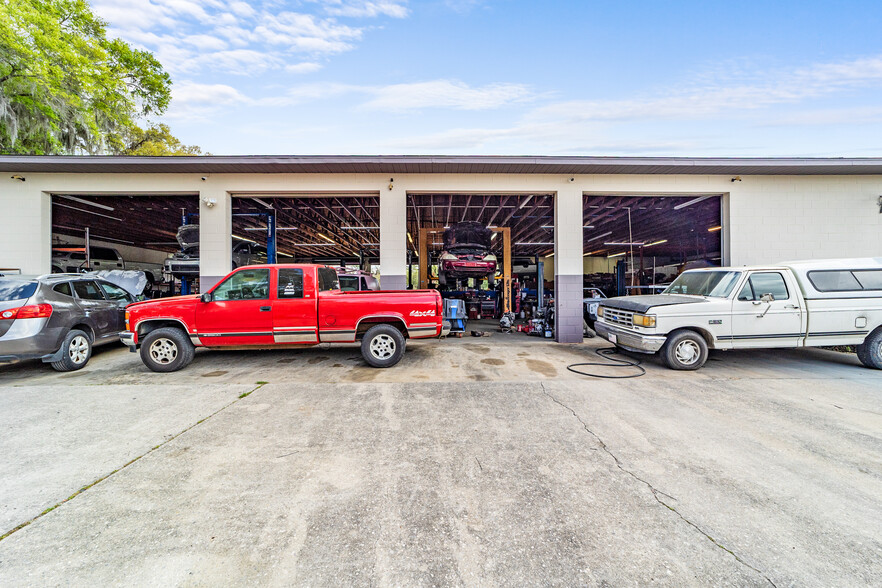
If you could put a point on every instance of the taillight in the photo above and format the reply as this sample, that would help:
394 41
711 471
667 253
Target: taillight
24 312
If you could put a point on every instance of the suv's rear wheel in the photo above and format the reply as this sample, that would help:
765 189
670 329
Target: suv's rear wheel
382 346
870 351
167 350
684 350
77 349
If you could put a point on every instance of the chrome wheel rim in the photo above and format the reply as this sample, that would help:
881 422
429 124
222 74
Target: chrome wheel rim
78 350
163 351
382 347
687 352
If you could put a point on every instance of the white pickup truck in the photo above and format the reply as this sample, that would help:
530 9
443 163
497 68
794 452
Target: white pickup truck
793 304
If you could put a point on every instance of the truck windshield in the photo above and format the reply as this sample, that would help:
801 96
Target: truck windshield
714 284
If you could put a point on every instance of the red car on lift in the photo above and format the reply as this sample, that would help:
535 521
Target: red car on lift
263 306
467 254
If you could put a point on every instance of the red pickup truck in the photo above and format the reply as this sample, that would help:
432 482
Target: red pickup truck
280 306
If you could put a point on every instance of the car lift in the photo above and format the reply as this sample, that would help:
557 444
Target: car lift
423 245
270 215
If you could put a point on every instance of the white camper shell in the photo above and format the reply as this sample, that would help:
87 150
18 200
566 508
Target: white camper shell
792 304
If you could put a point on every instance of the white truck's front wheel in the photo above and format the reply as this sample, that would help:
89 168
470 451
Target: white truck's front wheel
870 351
684 350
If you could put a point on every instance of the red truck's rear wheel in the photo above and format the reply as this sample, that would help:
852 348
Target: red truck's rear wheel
167 350
382 346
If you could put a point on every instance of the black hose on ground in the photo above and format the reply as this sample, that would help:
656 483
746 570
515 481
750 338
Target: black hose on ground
606 353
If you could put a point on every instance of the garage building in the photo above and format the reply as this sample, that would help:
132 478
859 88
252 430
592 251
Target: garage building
576 216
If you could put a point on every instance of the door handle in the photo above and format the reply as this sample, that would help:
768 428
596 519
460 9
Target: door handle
792 307
265 308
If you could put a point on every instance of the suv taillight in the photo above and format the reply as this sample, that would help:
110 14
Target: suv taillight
23 312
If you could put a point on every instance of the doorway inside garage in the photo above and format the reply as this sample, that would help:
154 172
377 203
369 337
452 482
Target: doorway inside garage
341 230
637 244
489 255
116 232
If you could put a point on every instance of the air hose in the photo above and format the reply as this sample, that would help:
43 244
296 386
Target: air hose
610 362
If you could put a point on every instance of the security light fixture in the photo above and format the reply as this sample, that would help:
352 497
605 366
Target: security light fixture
616 254
714 229
625 244
656 243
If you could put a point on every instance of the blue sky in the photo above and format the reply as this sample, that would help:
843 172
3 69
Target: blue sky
516 77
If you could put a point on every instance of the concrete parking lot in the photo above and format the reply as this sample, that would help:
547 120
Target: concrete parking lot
479 461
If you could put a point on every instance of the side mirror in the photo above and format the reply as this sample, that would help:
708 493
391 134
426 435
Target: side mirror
767 298
206 297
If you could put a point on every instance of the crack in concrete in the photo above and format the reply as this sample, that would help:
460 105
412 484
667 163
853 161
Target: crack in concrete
128 463
656 493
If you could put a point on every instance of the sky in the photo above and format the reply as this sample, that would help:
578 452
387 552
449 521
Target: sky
516 77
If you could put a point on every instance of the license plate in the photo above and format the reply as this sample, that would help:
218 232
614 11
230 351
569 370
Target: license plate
613 339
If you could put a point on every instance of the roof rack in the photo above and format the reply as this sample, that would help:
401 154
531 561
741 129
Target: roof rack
59 275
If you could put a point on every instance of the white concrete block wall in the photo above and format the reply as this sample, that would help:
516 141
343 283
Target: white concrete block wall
393 237
25 226
568 264
775 219
215 229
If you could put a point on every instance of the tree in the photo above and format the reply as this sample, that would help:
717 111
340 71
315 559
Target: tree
65 87
157 140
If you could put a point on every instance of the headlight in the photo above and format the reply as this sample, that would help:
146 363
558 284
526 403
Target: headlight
489 258
643 320
448 257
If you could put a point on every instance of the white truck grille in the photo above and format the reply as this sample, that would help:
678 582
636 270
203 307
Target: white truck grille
618 317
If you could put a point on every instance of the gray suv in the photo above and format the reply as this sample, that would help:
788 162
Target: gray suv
58 318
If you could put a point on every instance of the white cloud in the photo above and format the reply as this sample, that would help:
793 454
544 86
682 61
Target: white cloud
446 94
194 102
199 94
365 8
587 125
188 35
463 6
302 68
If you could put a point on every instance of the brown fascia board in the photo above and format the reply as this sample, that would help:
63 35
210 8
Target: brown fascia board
439 164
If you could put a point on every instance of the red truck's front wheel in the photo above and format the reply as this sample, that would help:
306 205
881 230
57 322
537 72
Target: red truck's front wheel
382 346
166 350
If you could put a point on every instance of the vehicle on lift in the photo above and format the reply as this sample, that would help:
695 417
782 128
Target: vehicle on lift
185 263
72 259
794 304
467 254
281 305
58 318
356 280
